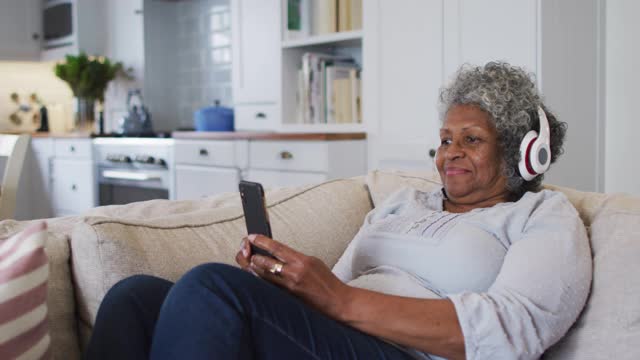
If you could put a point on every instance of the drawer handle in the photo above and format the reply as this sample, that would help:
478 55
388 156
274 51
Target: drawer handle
74 187
204 152
261 115
72 148
286 155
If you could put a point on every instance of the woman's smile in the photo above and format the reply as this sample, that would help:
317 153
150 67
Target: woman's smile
453 171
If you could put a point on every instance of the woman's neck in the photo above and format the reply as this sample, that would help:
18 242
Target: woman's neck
451 205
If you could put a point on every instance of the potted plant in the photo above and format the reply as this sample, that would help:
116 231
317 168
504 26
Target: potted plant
88 77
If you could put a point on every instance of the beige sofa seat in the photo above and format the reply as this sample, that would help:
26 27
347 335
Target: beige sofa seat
317 220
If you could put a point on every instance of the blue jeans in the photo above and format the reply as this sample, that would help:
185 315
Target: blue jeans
217 311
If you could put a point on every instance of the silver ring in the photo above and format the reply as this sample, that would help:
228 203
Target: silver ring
276 269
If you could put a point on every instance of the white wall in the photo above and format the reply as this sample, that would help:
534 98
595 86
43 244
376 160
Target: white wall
622 169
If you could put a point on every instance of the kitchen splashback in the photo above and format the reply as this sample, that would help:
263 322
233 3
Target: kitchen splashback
24 79
187 59
204 56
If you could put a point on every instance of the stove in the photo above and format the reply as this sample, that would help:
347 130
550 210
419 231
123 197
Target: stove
133 169
160 134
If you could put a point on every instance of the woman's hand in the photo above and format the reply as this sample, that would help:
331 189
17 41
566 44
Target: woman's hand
305 276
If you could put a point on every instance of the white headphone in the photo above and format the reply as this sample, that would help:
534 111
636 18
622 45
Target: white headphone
535 150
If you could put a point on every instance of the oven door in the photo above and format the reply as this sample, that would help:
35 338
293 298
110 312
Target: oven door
123 186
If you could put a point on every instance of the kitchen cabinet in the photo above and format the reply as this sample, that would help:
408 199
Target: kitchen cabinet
73 181
58 178
403 72
194 182
277 163
20 30
256 51
89 31
256 63
207 167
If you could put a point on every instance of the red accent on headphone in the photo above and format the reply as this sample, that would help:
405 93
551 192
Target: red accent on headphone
527 162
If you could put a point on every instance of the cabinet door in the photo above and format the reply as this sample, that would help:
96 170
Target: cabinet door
256 50
477 32
73 186
20 29
193 182
403 73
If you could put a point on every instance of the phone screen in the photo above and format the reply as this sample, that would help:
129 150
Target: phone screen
255 212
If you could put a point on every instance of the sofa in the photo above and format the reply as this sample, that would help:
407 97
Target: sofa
91 252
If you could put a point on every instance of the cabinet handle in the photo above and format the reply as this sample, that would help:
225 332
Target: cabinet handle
261 115
74 187
35 36
432 153
204 152
72 148
286 155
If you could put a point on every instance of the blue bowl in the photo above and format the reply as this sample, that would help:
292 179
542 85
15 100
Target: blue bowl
213 118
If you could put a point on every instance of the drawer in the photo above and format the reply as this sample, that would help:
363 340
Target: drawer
256 116
73 148
289 155
211 153
271 179
72 185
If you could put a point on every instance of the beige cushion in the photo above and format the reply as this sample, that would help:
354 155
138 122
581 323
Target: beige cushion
609 327
317 220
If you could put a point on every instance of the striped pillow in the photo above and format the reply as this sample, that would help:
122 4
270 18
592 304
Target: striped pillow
24 270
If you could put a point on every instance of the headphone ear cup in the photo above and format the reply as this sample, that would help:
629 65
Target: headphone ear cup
524 166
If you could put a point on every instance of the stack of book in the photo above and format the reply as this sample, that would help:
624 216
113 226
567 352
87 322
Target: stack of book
329 90
316 17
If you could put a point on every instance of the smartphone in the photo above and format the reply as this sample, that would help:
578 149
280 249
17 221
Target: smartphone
255 212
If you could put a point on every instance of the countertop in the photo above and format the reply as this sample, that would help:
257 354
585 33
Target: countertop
250 135
216 135
69 135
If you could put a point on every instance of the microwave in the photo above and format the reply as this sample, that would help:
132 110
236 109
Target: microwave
58 25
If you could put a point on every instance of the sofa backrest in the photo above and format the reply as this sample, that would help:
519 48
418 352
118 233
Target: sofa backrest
318 220
609 326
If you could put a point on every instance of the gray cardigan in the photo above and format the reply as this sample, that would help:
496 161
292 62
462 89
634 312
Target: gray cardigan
518 273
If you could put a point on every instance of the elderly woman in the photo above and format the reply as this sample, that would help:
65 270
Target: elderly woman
488 267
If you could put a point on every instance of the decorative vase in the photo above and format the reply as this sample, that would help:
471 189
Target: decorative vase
84 116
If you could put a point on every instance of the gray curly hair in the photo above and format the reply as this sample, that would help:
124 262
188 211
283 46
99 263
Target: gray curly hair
509 95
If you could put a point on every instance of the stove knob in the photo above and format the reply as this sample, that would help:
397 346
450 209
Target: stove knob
145 159
126 159
161 162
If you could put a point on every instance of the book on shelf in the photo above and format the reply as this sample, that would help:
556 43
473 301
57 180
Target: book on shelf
346 98
324 16
298 19
332 73
317 95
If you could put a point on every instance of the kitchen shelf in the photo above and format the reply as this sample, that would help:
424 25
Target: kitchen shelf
344 38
